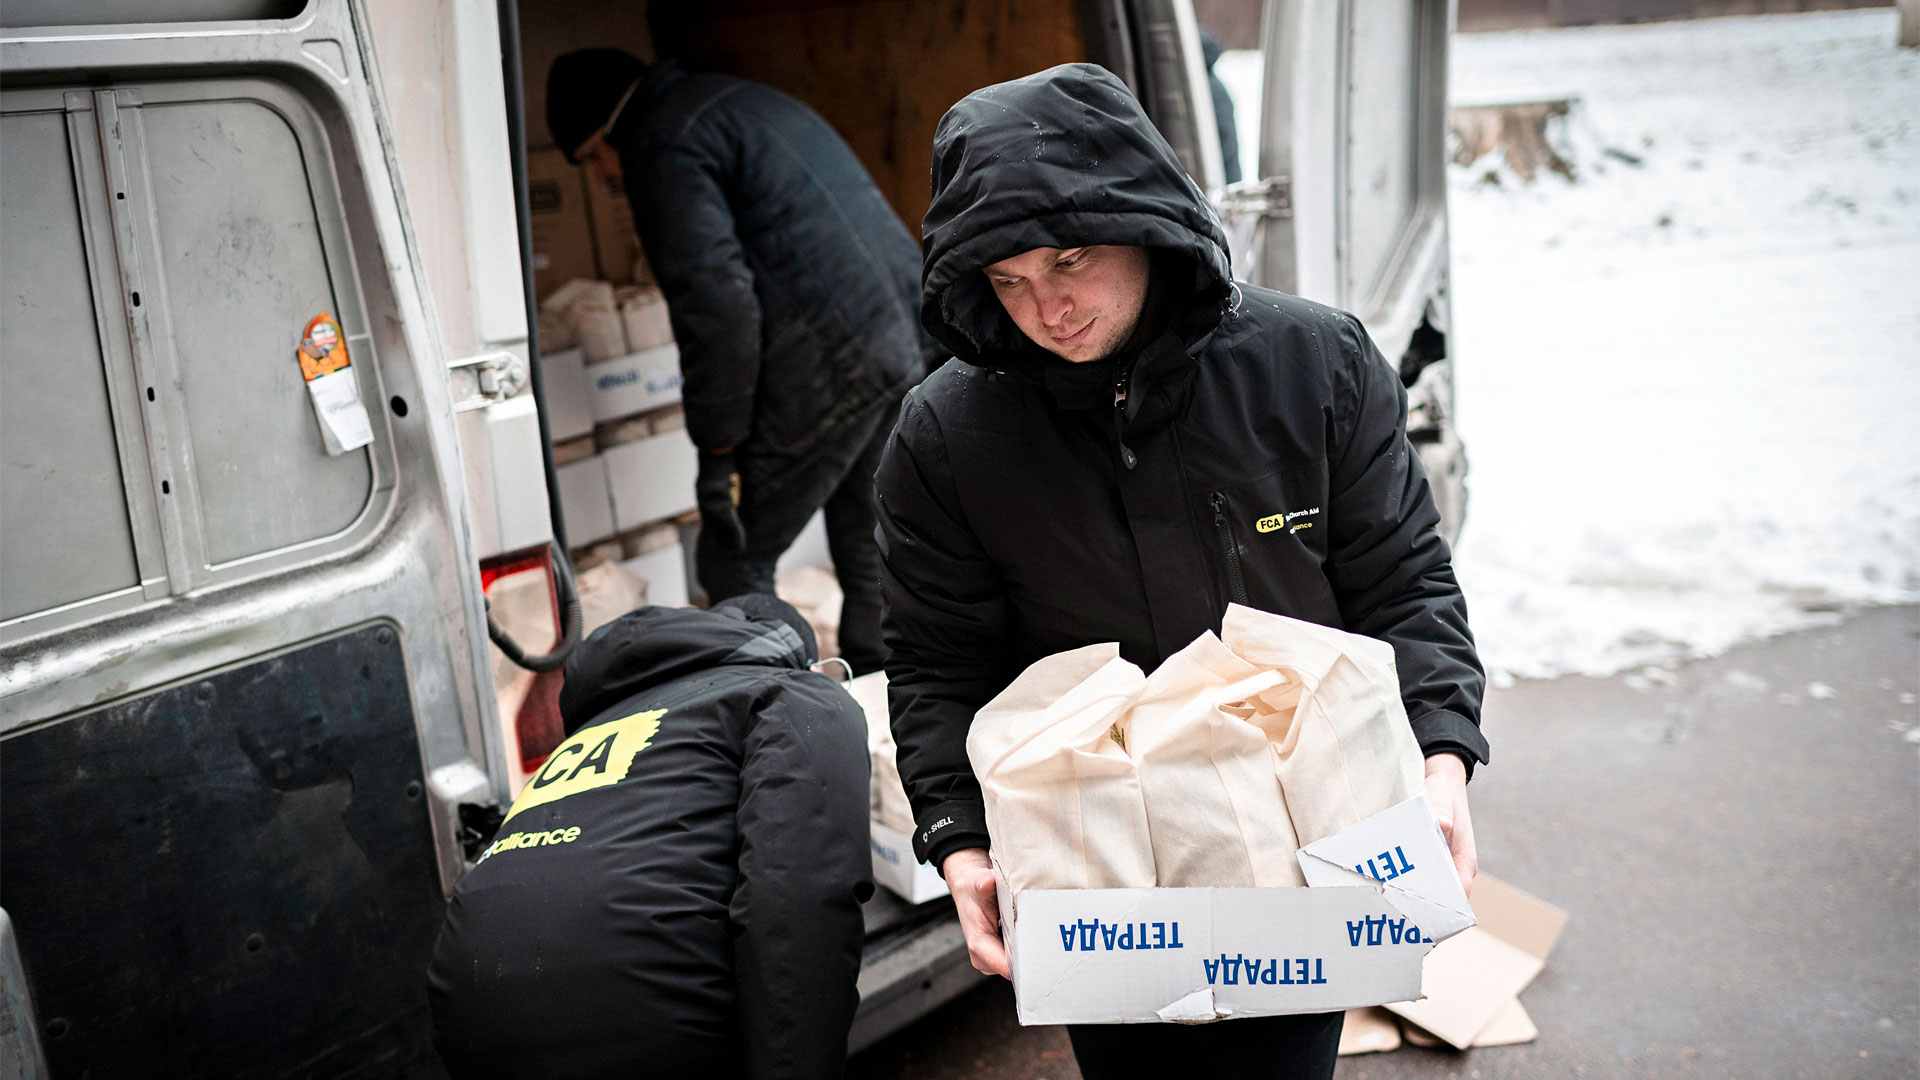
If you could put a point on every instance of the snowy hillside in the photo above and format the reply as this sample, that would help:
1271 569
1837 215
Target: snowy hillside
1690 389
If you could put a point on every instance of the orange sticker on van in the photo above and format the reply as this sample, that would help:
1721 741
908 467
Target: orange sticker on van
323 347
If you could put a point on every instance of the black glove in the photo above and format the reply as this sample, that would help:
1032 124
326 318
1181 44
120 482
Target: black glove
717 492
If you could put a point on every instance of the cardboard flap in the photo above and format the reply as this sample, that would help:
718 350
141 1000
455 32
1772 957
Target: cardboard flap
1401 849
1509 1026
1467 982
1517 916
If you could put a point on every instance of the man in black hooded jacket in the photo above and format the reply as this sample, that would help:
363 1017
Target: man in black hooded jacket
791 286
677 890
1126 442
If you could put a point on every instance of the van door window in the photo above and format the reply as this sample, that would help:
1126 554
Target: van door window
242 257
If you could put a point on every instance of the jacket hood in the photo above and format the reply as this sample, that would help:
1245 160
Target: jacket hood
1063 158
650 646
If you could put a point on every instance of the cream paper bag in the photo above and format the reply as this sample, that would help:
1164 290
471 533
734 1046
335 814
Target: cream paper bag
1063 802
1342 747
886 795
1214 806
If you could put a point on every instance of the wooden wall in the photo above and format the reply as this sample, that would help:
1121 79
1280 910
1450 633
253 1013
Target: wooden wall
883 72
1516 14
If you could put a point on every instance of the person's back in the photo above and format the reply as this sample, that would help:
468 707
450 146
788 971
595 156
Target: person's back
792 287
677 889
834 273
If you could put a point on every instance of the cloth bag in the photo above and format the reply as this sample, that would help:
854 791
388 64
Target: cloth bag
1215 811
1063 801
1341 744
886 794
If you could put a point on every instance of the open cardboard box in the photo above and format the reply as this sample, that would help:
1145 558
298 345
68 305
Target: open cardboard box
1196 955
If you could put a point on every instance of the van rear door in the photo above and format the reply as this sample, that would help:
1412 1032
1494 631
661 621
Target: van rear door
238 672
1350 198
1349 203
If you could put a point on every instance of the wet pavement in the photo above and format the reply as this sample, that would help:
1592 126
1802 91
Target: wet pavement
1737 841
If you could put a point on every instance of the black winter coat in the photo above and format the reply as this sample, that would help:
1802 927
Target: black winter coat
790 282
677 890
1255 451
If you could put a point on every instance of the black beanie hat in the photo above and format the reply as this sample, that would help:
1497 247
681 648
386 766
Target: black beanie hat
771 610
582 89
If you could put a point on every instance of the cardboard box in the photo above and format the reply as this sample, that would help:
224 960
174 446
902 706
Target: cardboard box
506 483
585 501
665 572
616 244
557 209
651 479
634 383
903 875
1093 956
1472 982
563 375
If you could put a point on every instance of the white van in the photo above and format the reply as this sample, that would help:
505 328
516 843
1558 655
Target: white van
248 731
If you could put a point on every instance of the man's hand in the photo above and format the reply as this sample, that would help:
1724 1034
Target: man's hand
716 491
1447 790
969 875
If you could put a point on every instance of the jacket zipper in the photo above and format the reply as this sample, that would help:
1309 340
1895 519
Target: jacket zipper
1127 456
1235 581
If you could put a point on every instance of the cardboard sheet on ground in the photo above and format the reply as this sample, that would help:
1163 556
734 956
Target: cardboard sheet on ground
1198 955
1372 1030
1472 982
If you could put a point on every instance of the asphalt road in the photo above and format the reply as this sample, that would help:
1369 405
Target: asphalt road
1737 841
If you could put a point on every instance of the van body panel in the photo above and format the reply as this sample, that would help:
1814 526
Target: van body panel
284 800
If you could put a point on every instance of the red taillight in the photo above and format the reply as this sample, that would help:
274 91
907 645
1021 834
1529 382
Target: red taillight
536 722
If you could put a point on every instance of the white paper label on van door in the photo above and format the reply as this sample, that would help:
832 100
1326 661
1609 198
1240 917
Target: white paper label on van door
336 393
343 419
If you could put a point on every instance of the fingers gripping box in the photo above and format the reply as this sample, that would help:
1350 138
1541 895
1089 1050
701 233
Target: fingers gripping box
1356 936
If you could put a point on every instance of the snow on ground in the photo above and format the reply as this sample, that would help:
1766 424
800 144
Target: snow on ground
1690 390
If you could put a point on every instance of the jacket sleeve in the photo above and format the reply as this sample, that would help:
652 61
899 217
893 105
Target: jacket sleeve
1389 567
945 617
680 209
804 872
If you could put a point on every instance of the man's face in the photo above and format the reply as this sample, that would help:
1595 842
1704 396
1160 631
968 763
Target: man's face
600 159
1078 303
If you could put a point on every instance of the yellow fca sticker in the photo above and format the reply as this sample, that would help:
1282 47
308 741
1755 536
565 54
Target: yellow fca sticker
1276 522
596 757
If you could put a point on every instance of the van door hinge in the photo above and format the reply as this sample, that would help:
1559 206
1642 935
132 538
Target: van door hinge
1268 197
481 380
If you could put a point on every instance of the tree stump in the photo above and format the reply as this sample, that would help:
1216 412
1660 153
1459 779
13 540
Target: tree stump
1517 129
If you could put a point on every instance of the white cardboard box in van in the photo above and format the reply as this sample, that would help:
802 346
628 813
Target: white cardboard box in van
569 412
1094 956
634 383
651 478
665 572
903 875
585 501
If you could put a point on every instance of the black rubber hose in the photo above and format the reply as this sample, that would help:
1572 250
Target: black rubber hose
517 154
570 624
